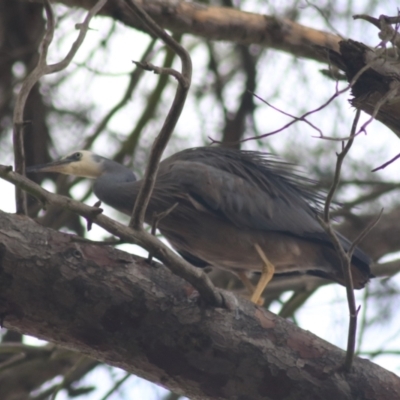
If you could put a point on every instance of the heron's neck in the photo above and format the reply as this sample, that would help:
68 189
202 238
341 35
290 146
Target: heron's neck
117 187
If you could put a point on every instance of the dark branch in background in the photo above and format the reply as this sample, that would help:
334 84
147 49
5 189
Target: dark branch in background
153 101
174 113
19 123
116 386
41 69
33 365
68 377
308 113
197 278
83 29
235 125
133 82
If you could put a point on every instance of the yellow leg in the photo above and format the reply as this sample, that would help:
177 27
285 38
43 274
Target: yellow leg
266 275
249 286
246 281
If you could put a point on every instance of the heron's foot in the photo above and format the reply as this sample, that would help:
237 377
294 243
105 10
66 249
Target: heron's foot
266 275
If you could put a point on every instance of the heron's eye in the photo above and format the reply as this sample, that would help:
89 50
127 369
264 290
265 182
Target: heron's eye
78 156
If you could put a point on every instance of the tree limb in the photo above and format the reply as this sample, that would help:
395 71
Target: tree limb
223 24
120 310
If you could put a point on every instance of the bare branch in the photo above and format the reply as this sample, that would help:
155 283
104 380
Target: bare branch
364 233
134 80
339 163
389 95
384 165
324 105
161 71
174 113
40 70
26 87
344 257
83 29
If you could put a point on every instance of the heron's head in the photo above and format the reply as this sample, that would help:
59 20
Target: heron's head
79 163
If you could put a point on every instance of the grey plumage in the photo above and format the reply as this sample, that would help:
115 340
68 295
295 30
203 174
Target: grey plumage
228 201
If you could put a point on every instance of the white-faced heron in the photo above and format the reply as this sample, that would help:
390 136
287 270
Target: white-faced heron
242 211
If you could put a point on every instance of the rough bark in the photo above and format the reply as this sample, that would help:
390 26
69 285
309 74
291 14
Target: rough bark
222 23
120 310
376 91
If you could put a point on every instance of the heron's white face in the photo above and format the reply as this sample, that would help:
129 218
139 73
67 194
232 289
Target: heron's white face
81 163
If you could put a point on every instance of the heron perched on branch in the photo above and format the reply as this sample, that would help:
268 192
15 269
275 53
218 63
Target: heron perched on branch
242 211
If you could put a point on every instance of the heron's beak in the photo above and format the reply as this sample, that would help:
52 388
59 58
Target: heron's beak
55 166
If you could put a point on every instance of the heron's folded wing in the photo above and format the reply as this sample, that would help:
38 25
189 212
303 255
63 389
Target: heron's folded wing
244 203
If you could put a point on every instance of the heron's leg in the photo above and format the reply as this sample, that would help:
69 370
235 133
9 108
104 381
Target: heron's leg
266 275
246 281
249 286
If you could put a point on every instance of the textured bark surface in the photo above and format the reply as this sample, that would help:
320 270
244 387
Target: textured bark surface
380 79
118 309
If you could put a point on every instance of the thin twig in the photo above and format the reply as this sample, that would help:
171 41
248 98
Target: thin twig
174 113
339 163
26 87
365 232
392 160
83 29
161 71
345 257
195 276
156 219
153 101
289 115
363 322
133 82
40 70
324 105
390 94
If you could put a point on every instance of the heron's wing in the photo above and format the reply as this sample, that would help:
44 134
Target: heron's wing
247 204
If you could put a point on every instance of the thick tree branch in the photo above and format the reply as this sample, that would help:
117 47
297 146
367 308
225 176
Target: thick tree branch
118 309
223 23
